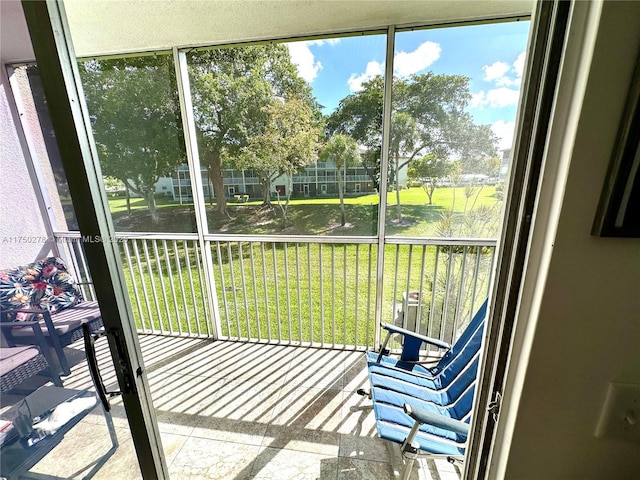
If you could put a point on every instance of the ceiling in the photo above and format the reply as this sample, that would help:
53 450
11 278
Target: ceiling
102 27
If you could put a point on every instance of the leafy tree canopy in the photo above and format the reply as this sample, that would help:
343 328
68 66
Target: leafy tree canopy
234 92
288 141
135 115
428 118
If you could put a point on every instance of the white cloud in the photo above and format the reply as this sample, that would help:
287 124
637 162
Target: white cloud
504 131
502 97
408 63
477 99
502 75
518 65
355 81
404 64
495 98
303 58
495 71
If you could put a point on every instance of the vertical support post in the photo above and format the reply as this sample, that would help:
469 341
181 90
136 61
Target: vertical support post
197 190
384 168
53 48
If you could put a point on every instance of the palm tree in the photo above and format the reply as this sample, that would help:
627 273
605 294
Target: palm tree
343 151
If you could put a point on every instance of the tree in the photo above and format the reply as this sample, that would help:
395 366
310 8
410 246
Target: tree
403 138
343 151
359 116
439 124
428 170
233 90
135 115
288 141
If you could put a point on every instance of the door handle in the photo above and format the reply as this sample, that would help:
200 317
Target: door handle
94 369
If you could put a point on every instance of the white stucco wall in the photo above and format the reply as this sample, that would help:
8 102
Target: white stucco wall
22 230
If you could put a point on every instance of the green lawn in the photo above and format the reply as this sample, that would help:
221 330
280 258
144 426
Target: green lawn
310 216
321 294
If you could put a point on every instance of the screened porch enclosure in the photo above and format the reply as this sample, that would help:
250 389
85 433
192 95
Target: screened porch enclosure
258 273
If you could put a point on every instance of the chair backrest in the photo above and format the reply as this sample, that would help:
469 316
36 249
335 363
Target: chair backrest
45 284
460 363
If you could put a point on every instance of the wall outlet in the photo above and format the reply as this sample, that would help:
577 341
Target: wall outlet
620 414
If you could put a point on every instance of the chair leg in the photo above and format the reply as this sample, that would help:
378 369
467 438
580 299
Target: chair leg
409 451
409 455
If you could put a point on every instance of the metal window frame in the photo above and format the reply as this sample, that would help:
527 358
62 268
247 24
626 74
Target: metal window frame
54 53
538 95
197 187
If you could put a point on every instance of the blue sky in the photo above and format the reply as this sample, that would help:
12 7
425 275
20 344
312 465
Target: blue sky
491 55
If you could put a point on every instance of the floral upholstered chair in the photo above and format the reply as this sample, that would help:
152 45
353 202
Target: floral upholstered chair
44 291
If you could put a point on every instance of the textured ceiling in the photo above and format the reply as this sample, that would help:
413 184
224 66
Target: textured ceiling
102 27
109 26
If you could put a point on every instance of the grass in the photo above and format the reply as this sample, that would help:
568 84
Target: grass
320 294
310 216
309 293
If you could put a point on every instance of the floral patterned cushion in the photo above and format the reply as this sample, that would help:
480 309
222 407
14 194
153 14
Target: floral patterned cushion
44 284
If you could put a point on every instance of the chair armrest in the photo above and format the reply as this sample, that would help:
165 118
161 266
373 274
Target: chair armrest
25 310
35 326
46 316
403 331
428 418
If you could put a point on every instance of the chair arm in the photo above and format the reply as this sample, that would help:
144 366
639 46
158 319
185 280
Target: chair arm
428 418
35 326
46 316
403 331
26 310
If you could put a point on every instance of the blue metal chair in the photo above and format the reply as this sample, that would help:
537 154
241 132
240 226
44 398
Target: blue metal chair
426 409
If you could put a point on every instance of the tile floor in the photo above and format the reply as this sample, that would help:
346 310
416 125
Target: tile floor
231 410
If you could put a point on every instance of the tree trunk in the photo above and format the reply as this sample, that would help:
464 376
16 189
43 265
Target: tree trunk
265 183
214 169
151 204
430 193
397 182
341 195
210 188
128 197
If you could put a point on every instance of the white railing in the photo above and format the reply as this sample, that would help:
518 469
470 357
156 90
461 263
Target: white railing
305 290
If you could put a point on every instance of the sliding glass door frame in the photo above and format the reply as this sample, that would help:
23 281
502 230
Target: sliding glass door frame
56 60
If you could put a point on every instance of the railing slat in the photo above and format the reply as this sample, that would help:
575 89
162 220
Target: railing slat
144 286
457 283
321 295
277 292
187 259
162 284
255 289
223 289
176 254
299 294
434 287
133 281
203 291
286 288
244 289
167 262
233 288
266 292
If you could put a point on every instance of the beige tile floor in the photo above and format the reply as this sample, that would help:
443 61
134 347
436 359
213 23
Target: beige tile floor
231 410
